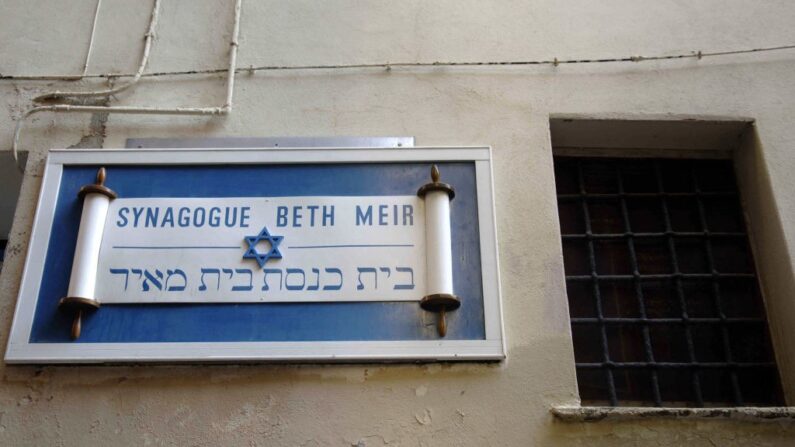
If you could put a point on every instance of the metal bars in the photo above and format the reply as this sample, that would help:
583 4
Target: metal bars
611 386
665 306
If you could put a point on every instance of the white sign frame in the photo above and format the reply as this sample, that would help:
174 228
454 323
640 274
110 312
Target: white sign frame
20 350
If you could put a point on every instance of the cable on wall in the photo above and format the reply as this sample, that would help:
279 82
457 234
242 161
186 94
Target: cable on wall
148 37
696 54
231 70
91 38
139 110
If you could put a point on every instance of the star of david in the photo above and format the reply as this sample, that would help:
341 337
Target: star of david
262 258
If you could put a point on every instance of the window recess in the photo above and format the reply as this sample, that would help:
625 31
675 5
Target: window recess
3 244
10 184
664 300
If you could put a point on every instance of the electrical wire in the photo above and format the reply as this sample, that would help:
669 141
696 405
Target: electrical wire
232 69
148 37
698 54
226 108
91 39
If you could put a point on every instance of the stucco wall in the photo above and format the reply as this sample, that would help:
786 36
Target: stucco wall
505 107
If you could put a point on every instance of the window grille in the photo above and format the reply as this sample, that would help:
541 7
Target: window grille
664 301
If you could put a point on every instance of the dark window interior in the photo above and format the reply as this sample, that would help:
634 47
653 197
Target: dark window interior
664 301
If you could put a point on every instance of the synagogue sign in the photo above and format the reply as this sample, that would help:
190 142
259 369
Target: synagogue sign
272 255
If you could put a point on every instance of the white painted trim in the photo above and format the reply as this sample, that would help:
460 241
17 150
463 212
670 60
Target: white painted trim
254 351
488 251
490 259
37 250
21 351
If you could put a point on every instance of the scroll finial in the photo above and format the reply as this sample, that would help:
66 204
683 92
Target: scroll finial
98 187
101 176
436 184
77 325
441 325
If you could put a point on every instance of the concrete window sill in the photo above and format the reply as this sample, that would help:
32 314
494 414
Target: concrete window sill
748 414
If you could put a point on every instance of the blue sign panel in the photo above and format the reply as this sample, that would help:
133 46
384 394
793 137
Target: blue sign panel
355 324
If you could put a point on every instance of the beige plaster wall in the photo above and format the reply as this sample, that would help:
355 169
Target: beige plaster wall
507 108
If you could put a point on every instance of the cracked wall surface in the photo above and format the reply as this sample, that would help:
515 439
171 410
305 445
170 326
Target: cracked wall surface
508 108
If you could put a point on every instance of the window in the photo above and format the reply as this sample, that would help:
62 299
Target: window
664 301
